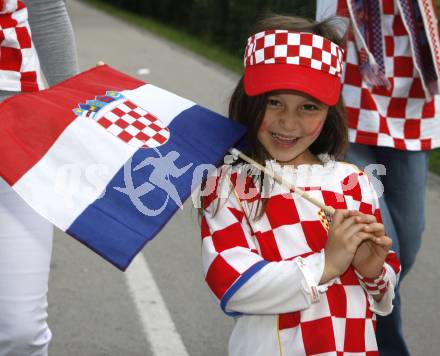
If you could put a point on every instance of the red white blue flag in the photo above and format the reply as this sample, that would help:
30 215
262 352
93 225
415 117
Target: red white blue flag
109 159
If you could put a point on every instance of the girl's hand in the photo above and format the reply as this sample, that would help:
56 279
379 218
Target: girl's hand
371 254
344 237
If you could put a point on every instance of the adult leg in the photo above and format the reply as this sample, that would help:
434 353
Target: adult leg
405 186
25 250
26 238
389 329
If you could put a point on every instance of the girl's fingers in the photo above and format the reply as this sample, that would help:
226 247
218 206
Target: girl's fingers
360 237
355 229
348 223
364 236
375 228
339 216
383 241
368 219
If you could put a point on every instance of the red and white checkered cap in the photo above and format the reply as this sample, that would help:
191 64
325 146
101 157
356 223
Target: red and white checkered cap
288 60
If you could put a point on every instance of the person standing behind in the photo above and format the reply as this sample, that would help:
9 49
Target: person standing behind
25 237
389 87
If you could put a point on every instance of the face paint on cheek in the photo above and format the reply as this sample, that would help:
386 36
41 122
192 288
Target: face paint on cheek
263 127
314 132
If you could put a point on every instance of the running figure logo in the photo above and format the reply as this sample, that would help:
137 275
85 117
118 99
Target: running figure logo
164 167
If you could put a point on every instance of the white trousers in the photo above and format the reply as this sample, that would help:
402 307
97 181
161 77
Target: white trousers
25 251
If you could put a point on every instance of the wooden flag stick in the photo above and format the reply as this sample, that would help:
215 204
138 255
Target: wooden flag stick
327 209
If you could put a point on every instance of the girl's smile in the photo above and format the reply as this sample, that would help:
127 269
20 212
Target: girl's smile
283 141
291 123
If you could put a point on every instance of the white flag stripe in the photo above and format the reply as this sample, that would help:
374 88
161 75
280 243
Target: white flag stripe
68 189
153 313
71 185
161 103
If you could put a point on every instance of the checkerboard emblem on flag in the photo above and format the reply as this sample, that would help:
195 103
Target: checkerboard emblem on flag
125 120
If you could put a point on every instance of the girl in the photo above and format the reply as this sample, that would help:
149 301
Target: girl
295 284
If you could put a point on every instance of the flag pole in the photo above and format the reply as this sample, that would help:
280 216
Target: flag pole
327 209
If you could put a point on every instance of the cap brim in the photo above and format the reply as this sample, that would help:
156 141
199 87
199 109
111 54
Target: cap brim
263 78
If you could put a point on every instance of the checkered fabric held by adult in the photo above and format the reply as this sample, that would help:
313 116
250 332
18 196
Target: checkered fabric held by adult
19 64
394 103
295 283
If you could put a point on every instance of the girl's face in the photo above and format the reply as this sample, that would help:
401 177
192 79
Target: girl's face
291 123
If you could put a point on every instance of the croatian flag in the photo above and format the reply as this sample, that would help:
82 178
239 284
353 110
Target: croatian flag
109 159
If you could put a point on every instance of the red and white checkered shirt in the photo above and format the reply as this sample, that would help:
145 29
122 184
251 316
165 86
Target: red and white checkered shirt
402 116
262 270
19 65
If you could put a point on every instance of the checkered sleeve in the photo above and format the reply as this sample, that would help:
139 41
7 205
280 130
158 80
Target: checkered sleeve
241 280
391 271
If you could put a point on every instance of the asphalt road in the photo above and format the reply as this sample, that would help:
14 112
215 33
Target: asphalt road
93 311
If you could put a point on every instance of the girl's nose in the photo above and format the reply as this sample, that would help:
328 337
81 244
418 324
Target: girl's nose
289 122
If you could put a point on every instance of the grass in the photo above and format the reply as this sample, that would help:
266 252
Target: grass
434 161
209 51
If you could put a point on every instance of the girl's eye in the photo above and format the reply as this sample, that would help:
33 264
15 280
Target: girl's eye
314 108
310 107
273 102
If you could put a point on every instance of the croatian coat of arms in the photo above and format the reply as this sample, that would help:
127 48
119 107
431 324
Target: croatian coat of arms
125 120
